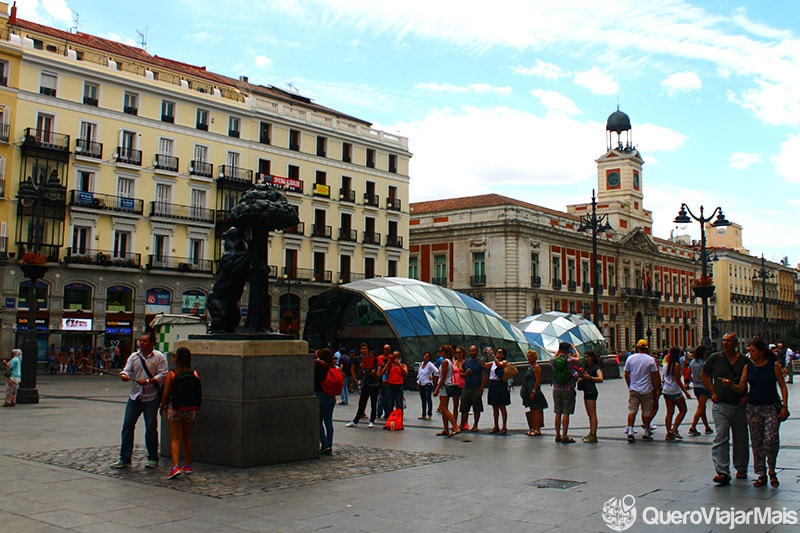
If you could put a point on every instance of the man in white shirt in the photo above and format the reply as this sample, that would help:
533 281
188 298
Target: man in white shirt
643 379
146 369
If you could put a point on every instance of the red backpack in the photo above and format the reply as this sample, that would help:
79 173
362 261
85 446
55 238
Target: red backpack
394 422
333 383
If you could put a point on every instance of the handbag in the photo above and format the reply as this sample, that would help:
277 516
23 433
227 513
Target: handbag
509 371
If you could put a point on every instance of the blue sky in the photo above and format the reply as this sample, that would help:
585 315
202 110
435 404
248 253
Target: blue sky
512 96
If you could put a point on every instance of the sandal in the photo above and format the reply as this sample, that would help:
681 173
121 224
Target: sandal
443 434
454 432
568 440
741 474
495 430
503 431
558 438
760 482
721 479
474 430
773 480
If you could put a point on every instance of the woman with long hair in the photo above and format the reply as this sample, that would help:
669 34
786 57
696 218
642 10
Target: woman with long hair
499 397
458 380
443 390
765 409
673 391
14 368
180 421
700 392
592 375
532 396
426 375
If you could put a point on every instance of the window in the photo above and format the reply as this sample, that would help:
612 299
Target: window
166 146
80 240
234 159
163 199
611 276
391 268
200 153
265 133
370 158
264 168
393 163
535 267
167 111
85 181
478 267
197 204
439 270
44 127
290 263
413 267
131 103
128 152
322 146
392 201
48 83
347 152
4 123
370 198
201 122
86 144
160 249
571 270
320 229
369 267
586 276
4 73
196 251
294 140
122 241
90 93
233 127
556 273
319 266
344 268
125 187
293 171
321 178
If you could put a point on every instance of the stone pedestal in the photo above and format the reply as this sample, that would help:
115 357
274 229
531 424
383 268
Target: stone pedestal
259 406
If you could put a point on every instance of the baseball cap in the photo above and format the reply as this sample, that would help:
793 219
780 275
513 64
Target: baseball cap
641 344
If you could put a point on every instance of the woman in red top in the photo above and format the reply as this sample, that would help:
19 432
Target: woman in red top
396 374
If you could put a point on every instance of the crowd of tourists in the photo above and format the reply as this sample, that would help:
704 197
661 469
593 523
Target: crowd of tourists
747 392
84 361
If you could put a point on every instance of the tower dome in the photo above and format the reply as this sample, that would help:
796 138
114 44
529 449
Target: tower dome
618 122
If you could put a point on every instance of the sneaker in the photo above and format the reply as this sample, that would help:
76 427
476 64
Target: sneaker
465 427
647 438
709 431
186 469
677 435
694 433
351 425
631 438
421 417
590 439
120 464
175 472
371 425
326 451
151 463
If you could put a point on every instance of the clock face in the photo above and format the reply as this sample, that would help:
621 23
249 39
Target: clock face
612 180
636 180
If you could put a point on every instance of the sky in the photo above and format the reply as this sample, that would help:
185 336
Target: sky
511 97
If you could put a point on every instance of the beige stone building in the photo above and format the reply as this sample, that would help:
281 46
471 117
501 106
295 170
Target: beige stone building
137 161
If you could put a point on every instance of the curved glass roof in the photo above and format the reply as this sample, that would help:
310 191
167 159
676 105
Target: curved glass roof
549 329
410 315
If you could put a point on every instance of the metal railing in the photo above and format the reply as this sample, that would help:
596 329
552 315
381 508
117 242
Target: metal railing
201 168
180 264
105 202
182 212
88 148
166 162
104 258
129 156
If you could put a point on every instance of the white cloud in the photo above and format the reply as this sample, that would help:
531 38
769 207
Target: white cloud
543 69
654 138
262 61
54 12
596 81
787 161
681 82
742 160
477 88
120 39
556 102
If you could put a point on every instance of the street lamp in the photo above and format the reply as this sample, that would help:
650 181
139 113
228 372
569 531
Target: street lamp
596 225
649 313
38 197
763 274
703 292
288 282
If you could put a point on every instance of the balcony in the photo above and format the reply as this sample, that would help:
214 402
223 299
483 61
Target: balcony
103 258
536 281
393 204
202 126
37 140
371 200
442 282
556 284
587 288
165 162
371 238
347 234
88 100
600 289
4 132
182 212
201 168
347 277
321 276
536 311
395 241
612 317
321 230
105 202
612 290
477 281
130 110
47 91
236 174
180 264
128 156
347 195
168 118
87 148
299 229
572 286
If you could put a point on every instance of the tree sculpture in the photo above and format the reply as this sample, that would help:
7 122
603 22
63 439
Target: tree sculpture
260 211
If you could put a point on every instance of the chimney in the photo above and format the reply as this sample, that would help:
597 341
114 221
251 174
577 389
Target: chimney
243 78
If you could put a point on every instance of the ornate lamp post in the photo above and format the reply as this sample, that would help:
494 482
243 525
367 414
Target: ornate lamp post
649 313
763 274
704 287
34 267
596 225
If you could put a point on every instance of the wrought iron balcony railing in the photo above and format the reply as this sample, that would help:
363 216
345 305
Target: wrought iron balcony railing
182 212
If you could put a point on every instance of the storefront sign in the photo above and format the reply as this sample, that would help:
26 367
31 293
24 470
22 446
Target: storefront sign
279 182
11 303
76 324
158 300
194 303
322 190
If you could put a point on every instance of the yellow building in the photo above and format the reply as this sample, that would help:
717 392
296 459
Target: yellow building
121 168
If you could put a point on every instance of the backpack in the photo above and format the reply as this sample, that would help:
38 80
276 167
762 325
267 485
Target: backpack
333 383
394 422
561 371
187 392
